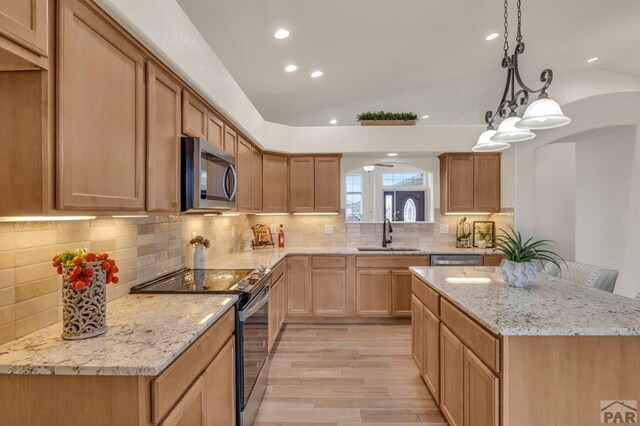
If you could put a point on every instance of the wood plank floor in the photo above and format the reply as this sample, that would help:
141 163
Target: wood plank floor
346 375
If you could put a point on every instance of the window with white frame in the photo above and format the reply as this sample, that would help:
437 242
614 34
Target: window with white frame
354 198
402 179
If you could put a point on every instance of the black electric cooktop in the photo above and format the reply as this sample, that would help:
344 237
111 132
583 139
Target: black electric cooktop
235 281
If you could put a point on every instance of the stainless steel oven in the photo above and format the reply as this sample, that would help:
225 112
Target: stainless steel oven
209 178
253 354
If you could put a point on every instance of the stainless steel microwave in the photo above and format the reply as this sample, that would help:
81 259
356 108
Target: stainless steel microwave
209 177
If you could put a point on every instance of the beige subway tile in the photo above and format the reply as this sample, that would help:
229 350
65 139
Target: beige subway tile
7 296
25 274
7 241
28 239
7 314
72 235
7 333
126 242
38 288
7 278
37 305
111 232
35 226
128 253
103 246
7 259
36 322
146 239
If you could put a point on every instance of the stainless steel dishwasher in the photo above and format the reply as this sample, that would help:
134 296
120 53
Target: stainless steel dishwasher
455 260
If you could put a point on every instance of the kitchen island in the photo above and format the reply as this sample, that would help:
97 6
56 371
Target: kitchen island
555 353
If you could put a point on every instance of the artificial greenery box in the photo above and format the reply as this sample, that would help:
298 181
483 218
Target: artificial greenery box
382 118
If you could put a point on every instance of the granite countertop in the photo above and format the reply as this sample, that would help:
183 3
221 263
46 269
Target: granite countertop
549 307
271 256
146 333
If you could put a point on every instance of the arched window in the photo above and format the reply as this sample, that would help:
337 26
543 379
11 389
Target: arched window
409 210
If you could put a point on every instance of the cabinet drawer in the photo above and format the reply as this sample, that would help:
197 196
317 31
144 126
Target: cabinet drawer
391 261
277 271
484 345
328 262
169 386
426 294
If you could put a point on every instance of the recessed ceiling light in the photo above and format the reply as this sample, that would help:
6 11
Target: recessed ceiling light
291 68
316 74
392 154
333 121
425 116
595 58
492 36
281 33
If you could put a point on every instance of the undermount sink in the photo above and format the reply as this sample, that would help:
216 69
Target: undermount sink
387 249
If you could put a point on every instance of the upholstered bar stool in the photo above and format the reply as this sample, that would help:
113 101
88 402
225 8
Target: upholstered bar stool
589 275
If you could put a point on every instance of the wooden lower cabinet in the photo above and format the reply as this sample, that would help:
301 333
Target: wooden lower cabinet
451 376
401 293
190 410
373 292
431 353
219 387
329 292
481 393
417 331
277 308
299 292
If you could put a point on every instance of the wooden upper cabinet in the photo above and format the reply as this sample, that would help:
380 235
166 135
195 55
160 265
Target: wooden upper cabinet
215 130
486 179
256 180
327 184
163 141
25 23
194 116
275 183
101 121
230 140
243 165
301 184
469 182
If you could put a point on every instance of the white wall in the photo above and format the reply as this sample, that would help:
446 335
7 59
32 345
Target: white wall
607 211
555 196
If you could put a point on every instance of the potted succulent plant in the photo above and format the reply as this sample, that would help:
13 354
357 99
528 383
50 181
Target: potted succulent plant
381 118
521 257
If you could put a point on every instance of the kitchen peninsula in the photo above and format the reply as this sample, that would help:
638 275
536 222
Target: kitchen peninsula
554 353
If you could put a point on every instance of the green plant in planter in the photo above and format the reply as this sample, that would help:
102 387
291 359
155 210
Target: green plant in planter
511 244
381 115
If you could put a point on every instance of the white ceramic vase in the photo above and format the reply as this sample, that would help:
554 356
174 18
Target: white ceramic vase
518 274
198 256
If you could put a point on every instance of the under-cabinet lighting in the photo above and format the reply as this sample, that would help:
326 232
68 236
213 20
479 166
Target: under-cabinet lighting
316 214
43 218
233 214
271 214
467 214
468 280
129 216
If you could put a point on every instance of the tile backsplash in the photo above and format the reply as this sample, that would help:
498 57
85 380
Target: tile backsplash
146 247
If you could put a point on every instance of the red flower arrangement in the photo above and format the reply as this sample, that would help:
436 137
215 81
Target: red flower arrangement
80 266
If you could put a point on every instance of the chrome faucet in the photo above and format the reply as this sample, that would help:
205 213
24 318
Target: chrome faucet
386 240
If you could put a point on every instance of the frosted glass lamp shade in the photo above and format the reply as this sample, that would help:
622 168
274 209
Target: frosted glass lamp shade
368 168
544 113
509 133
485 144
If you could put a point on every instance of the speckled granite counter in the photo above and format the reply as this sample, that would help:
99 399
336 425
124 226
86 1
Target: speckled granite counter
270 256
146 333
549 307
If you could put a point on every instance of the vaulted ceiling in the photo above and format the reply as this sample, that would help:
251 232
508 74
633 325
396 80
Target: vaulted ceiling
425 56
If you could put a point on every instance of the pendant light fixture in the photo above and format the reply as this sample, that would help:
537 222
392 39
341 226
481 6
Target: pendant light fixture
485 144
544 113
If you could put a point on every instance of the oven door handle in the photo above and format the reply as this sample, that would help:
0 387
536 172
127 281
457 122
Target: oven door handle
255 306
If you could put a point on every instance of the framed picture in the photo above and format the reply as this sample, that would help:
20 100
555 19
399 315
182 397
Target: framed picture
484 234
262 236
